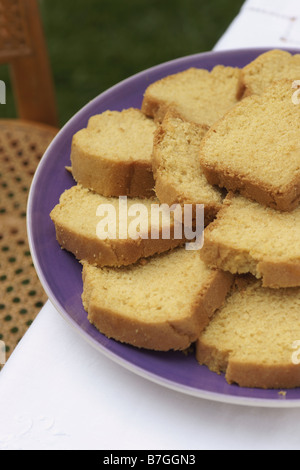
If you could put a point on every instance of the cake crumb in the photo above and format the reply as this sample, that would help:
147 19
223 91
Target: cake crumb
143 262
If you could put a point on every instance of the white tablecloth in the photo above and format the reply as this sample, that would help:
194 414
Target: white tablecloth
58 392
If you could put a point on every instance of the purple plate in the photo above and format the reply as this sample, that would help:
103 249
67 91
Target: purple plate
60 273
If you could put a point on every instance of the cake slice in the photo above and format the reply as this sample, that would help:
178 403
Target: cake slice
271 66
162 304
93 228
112 155
177 173
197 95
254 337
255 149
247 237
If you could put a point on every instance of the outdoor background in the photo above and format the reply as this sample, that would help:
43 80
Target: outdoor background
94 44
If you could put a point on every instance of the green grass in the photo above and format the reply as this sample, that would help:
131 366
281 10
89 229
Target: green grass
94 44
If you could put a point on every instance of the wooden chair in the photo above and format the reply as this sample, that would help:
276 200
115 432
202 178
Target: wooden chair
23 141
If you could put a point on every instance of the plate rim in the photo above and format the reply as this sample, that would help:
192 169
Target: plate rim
150 376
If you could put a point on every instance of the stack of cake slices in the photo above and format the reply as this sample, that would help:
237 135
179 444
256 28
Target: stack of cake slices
226 140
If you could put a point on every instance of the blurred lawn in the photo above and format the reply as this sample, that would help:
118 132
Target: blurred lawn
94 44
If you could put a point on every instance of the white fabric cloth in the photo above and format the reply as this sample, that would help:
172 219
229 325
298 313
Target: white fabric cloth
58 392
264 23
